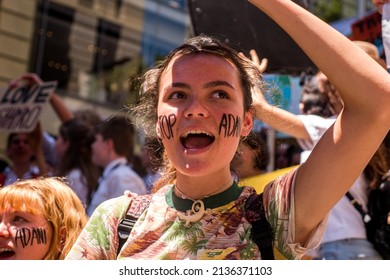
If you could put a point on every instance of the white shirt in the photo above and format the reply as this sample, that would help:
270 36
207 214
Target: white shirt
315 127
77 182
11 177
117 178
344 220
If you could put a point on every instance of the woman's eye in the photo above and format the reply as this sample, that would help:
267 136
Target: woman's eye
220 94
19 219
177 95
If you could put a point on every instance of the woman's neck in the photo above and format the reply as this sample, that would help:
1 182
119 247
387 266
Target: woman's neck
200 187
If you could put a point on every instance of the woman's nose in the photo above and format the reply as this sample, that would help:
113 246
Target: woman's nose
4 231
195 108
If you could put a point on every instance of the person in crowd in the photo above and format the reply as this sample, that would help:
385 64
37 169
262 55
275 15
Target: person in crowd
113 144
26 156
198 100
251 158
63 113
319 105
89 116
286 154
345 236
74 150
40 219
49 141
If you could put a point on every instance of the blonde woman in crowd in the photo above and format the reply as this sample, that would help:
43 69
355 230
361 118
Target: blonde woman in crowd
40 219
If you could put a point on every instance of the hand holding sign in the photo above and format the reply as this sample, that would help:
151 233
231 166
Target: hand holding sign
23 102
27 79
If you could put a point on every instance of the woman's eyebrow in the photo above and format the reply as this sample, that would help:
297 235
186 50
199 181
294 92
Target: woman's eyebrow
180 85
207 85
218 83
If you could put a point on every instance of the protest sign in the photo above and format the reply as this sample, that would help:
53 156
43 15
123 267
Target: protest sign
245 27
21 106
369 29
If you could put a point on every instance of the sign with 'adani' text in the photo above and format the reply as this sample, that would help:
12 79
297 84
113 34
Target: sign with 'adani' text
21 106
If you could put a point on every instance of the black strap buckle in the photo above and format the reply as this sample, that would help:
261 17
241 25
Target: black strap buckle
124 228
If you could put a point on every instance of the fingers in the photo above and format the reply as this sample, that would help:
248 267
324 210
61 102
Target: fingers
261 65
254 57
241 54
27 78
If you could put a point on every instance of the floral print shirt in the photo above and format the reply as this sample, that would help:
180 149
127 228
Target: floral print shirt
222 233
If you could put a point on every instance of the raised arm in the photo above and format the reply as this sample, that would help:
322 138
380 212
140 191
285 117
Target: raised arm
277 118
60 108
345 148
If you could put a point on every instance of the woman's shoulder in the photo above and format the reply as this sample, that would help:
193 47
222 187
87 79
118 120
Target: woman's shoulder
281 188
115 207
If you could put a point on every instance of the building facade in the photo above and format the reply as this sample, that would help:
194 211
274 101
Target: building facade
90 47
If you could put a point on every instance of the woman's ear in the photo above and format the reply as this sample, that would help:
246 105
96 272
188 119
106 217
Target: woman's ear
62 238
247 124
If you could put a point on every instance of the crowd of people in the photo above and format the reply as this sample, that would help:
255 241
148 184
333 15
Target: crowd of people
64 196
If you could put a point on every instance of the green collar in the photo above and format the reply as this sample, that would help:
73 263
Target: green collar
210 202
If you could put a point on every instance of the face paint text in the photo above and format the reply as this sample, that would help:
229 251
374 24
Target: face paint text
230 125
166 124
27 236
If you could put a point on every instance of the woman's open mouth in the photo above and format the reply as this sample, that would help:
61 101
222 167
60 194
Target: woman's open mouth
6 253
195 139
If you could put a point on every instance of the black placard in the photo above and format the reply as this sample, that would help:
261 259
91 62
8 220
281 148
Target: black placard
244 26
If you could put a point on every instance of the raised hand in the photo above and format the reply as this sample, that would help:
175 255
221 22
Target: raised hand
261 65
26 78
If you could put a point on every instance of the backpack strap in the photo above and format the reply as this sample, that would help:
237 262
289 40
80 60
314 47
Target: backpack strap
365 216
137 207
262 232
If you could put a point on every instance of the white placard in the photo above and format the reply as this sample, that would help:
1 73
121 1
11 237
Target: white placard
21 106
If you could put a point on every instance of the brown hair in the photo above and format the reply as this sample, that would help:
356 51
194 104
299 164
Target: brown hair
80 137
377 167
121 131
